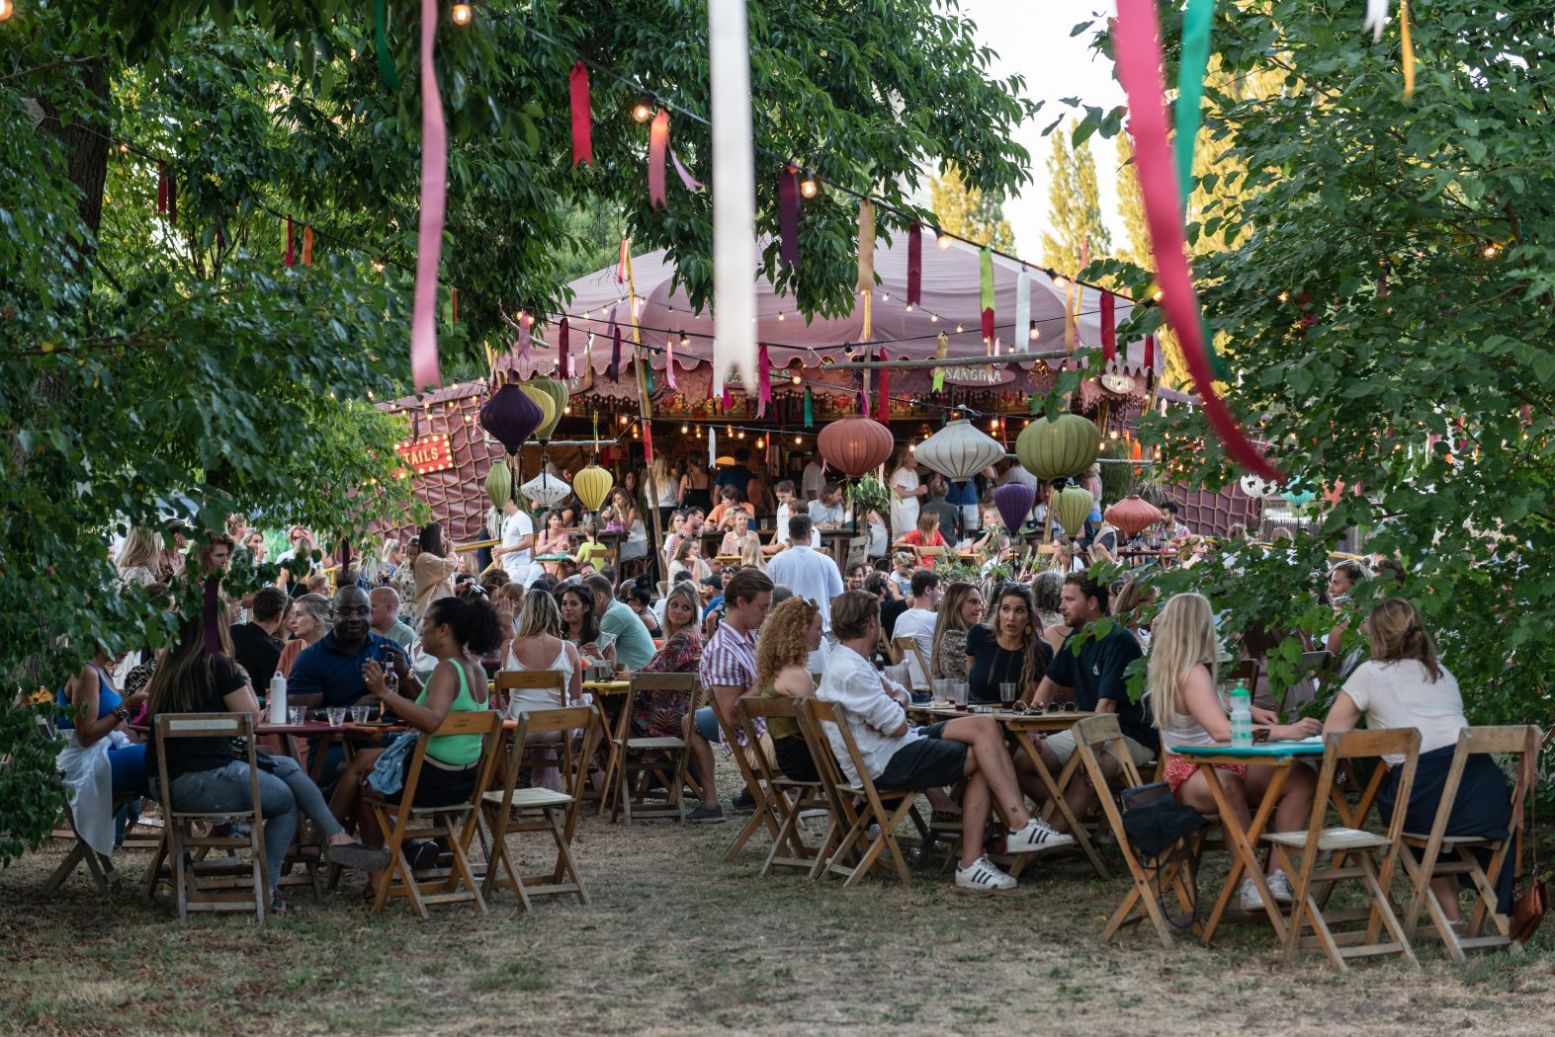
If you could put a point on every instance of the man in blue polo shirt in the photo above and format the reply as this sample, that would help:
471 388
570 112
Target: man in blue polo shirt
330 672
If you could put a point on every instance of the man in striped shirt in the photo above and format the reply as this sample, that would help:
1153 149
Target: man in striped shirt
728 670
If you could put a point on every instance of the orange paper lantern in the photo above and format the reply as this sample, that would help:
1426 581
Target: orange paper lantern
856 446
1133 514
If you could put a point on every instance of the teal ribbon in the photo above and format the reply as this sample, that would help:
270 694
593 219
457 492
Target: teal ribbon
809 410
1197 23
381 42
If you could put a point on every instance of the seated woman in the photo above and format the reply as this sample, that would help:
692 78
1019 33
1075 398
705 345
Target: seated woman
1188 710
591 551
308 619
739 537
639 598
899 582
790 633
1007 649
552 539
204 773
959 611
729 505
688 559
927 533
661 715
580 626
92 711
1047 592
1403 685
538 648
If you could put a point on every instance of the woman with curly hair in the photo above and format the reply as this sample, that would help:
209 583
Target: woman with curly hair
960 611
792 631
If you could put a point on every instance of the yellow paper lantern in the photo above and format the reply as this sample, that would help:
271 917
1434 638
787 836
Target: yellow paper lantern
547 404
557 391
592 483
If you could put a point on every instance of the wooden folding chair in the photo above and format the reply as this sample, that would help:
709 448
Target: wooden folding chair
1356 854
1098 734
764 812
515 810
509 681
1521 744
788 798
855 805
908 647
221 885
661 758
857 553
453 825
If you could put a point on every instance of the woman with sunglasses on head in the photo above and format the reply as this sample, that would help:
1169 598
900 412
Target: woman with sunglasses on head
792 631
1007 648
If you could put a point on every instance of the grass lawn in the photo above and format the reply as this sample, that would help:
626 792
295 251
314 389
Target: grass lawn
675 941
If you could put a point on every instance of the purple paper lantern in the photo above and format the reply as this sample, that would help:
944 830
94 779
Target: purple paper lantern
1014 500
511 417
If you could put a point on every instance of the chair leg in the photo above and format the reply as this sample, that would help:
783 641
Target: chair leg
153 877
181 872
459 870
67 866
1376 884
564 862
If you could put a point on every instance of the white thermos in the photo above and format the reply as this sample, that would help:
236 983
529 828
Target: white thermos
277 700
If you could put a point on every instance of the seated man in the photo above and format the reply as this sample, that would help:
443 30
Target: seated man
1094 667
329 673
901 758
828 512
386 616
918 619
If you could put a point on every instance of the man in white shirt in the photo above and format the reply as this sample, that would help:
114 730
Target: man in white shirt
901 758
813 481
805 571
917 622
787 508
828 513
516 553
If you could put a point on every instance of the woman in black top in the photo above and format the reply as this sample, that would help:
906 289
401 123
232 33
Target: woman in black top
1006 648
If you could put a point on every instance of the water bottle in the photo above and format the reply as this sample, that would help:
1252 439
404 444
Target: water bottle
1241 718
277 700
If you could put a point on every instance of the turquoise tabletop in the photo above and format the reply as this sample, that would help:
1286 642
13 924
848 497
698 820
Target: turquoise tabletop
1262 749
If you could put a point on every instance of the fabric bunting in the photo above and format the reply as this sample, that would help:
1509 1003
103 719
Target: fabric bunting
1109 329
386 68
1198 21
985 279
658 142
941 349
563 363
788 215
307 245
290 257
434 198
615 354
915 265
763 381
809 409
1022 333
883 394
866 246
692 183
582 121
669 361
1138 43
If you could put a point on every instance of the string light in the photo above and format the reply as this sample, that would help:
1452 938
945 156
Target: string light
1491 250
797 380
462 14
685 430
933 318
1034 333
809 187
798 441
761 443
1284 297
960 328
6 10
377 266
943 240
642 111
1060 282
1157 295
909 307
780 314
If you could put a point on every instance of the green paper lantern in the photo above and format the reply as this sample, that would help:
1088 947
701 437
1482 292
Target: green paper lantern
1061 449
499 483
1071 505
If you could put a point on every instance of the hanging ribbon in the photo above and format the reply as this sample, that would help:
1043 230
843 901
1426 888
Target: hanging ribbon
525 340
621 266
162 182
669 362
1197 22
588 361
658 142
1149 360
728 397
1022 333
307 245
941 349
1069 332
883 394
289 255
691 182
763 382
381 44
985 281
866 246
788 215
648 439
1407 44
1109 330
867 331
915 265
563 362
712 446
582 122
434 198
1376 18
615 354
1138 44
633 302
172 201
809 409
210 614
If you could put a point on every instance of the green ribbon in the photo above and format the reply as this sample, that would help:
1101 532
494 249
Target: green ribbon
985 278
1196 26
809 410
381 41
938 384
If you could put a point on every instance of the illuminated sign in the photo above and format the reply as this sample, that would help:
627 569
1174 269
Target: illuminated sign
424 456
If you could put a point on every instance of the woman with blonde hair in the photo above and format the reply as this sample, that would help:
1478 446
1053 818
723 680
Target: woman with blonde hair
538 647
1188 710
308 620
791 632
959 611
751 556
139 557
1404 685
662 714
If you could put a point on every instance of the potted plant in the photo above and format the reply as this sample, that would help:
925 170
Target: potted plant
869 494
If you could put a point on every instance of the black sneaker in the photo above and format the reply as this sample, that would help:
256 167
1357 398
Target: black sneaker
745 802
706 814
423 855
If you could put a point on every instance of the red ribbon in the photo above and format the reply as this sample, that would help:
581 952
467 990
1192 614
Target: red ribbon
582 124
763 382
728 400
1150 354
434 201
648 442
307 245
988 326
883 394
563 365
290 260
1136 37
788 215
1109 329
658 142
915 265
161 186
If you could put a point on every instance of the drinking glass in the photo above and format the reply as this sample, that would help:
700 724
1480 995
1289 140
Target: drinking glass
297 715
1007 692
337 715
359 714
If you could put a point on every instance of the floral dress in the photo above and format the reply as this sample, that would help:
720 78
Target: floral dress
662 714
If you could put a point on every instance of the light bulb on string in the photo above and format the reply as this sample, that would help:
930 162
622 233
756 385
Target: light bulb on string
798 441
685 429
462 14
909 307
933 318
761 444
942 239
7 8
960 328
1034 333
642 111
809 187
798 380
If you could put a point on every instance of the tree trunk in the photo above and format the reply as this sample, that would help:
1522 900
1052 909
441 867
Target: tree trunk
86 142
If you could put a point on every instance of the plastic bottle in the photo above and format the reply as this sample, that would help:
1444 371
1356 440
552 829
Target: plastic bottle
276 702
1241 718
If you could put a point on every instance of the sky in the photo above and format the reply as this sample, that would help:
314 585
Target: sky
1031 38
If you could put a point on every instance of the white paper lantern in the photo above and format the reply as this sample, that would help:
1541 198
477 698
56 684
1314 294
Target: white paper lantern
546 490
1256 487
958 451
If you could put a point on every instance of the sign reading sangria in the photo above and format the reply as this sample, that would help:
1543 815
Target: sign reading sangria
422 456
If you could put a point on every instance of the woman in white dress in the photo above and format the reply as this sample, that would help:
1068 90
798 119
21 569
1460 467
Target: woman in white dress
538 647
905 491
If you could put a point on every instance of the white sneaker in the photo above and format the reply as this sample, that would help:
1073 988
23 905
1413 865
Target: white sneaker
1037 835
985 877
1279 886
1248 897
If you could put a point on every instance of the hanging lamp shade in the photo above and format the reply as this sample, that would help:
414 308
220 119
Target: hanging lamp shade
511 417
1059 449
959 451
557 391
1298 492
548 411
499 483
855 446
592 483
1253 486
545 490
1133 514
1072 505
1014 501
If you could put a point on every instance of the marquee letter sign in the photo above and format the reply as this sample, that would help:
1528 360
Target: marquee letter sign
424 456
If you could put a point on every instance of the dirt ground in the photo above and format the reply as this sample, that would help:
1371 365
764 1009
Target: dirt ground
675 941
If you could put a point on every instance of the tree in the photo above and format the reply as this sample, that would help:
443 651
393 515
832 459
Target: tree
1386 286
1131 207
968 213
1075 226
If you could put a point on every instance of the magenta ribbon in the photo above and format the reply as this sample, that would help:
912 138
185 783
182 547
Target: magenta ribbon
1109 328
788 215
582 123
290 257
763 382
434 197
615 352
691 182
883 397
658 143
728 399
915 265
1137 39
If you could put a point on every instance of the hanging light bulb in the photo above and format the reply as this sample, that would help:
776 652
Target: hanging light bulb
1060 282
1035 333
6 10
798 380
885 296
1491 250
942 239
798 441
809 187
1156 294
377 263
909 307
1283 297
960 328
933 318
761 444
567 409
462 14
780 314
642 111
684 340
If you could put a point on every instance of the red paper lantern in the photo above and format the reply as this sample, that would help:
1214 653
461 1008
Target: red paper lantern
856 446
1133 514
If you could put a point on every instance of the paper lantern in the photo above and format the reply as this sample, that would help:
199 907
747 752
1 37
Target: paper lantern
958 451
1133 514
1059 449
548 411
511 417
1072 505
557 391
545 490
1298 493
499 483
592 484
1014 501
1253 486
855 446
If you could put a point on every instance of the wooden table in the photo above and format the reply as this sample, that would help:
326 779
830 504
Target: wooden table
1281 756
1023 727
836 541
321 730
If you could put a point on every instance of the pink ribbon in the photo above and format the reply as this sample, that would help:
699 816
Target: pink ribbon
1109 329
788 215
691 182
763 382
883 399
434 192
615 352
915 265
658 143
1136 37
582 123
